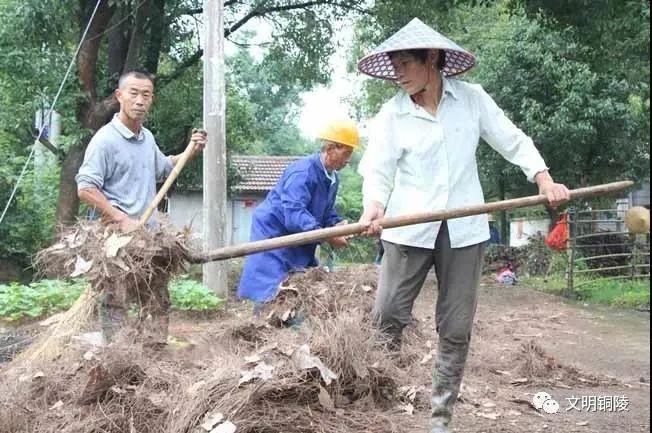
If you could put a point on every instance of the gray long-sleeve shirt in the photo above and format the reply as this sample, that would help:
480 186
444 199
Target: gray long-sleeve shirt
124 167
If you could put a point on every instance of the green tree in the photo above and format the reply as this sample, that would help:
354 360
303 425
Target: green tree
262 109
158 35
586 107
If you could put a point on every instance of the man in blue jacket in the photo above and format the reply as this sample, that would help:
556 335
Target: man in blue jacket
302 200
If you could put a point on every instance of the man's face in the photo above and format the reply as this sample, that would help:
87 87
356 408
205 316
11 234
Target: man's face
412 74
135 97
337 156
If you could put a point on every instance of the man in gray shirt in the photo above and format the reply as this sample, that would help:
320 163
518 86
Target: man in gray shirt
123 163
118 179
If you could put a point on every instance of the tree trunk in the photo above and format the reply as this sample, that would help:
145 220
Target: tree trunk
88 54
117 49
89 112
137 37
156 31
68 202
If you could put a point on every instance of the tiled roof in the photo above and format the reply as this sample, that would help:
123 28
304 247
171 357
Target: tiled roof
259 173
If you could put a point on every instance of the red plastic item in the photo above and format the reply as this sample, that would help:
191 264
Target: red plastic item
557 239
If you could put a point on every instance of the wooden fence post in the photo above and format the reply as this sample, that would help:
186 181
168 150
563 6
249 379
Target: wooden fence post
571 254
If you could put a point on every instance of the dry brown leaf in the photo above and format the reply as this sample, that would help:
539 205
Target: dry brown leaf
304 361
252 359
427 357
520 381
514 413
114 243
81 267
121 264
196 387
361 370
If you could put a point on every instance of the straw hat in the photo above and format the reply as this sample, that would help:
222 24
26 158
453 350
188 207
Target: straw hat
637 220
415 35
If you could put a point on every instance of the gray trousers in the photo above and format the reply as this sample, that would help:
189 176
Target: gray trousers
402 274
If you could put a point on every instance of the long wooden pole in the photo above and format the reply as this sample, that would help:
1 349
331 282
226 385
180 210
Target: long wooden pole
214 215
391 222
168 182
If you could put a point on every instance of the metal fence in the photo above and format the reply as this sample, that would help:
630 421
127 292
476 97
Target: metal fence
600 247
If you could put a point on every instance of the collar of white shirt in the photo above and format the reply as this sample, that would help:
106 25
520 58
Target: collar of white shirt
405 104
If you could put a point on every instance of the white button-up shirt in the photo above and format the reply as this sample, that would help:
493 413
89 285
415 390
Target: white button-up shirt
416 162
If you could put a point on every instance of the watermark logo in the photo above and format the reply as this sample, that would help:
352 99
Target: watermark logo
598 403
543 401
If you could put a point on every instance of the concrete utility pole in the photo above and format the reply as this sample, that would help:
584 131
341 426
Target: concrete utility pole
214 210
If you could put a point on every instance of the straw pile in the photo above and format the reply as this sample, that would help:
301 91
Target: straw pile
331 374
140 262
106 257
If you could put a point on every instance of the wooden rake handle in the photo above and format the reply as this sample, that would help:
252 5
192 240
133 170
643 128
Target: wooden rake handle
391 222
185 156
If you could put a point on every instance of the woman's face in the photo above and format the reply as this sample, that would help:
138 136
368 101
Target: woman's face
411 73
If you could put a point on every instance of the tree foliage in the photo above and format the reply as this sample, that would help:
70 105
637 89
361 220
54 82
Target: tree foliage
573 75
38 39
581 92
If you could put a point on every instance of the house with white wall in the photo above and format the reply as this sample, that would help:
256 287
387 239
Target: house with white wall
257 175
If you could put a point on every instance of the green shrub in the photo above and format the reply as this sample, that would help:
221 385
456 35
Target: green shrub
28 224
623 293
359 250
529 260
45 297
633 299
38 299
191 295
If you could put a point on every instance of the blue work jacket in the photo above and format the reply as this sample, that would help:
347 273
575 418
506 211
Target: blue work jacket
302 200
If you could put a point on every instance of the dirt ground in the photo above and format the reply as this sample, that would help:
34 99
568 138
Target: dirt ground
610 348
599 353
576 352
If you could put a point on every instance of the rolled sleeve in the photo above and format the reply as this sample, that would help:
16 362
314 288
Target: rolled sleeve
506 138
94 169
379 162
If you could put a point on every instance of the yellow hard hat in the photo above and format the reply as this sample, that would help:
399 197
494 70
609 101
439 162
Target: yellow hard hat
342 132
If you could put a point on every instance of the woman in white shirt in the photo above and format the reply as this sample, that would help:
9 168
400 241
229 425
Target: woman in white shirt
421 158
